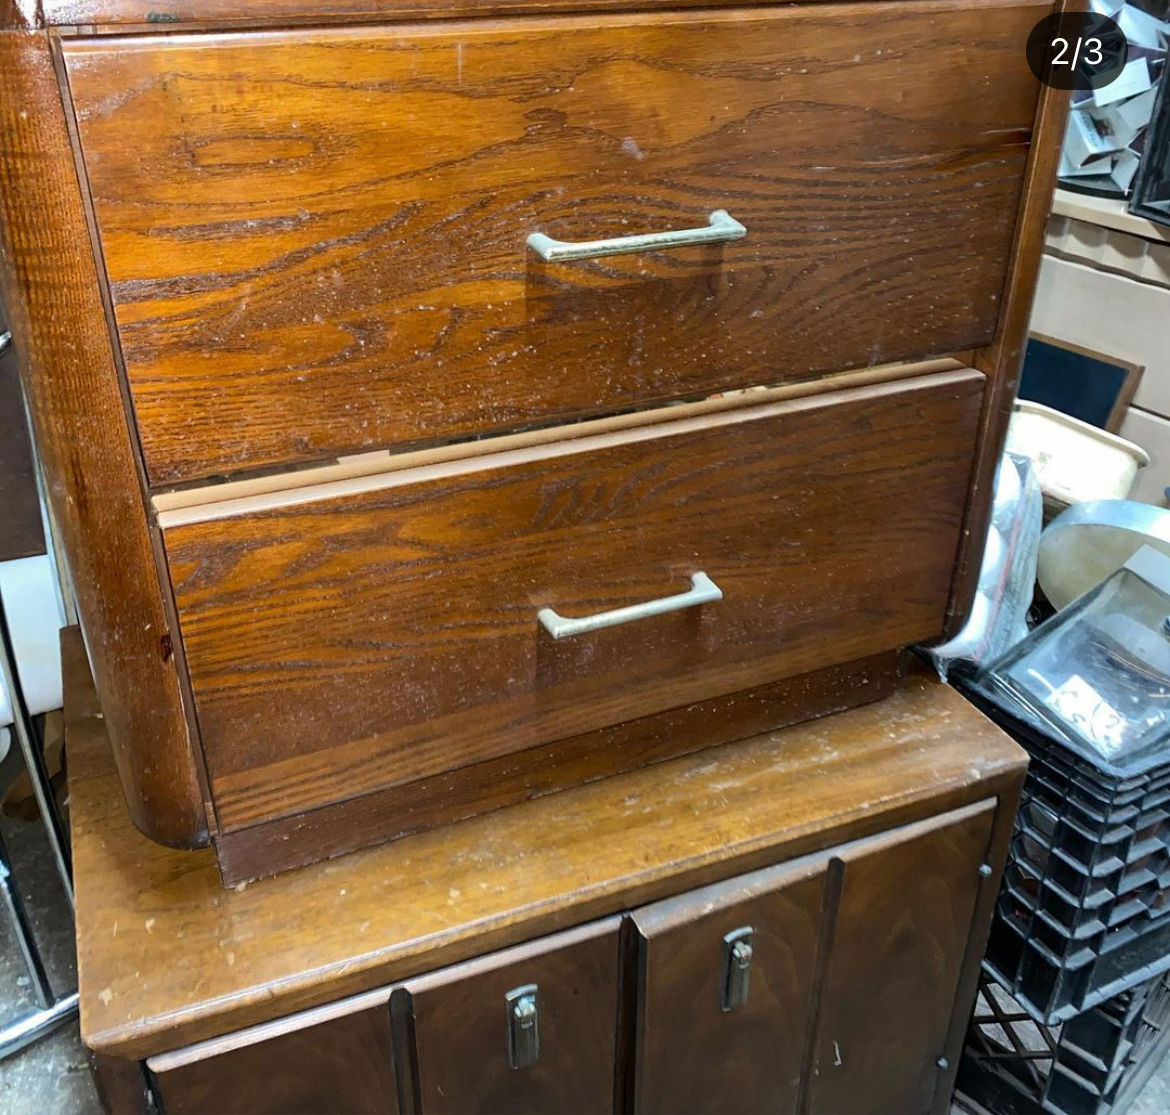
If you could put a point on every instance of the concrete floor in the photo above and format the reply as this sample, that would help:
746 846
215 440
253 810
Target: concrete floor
1153 1099
52 1077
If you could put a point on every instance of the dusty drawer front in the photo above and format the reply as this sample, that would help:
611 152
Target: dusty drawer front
335 1059
317 241
529 1029
403 625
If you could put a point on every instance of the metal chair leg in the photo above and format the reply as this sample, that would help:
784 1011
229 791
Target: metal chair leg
32 1027
34 761
22 927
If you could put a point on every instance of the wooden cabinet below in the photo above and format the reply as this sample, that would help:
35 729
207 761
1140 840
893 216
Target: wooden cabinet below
825 984
792 922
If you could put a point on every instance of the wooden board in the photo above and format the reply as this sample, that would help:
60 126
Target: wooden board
209 961
119 16
52 293
1092 386
903 922
336 1060
317 243
457 1017
696 1056
398 811
340 646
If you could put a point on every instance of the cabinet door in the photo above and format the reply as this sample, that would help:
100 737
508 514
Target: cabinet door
899 941
726 976
529 1029
332 1061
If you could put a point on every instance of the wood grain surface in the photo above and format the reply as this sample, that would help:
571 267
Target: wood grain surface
397 811
458 1022
179 505
209 961
118 16
121 1085
52 293
1003 359
316 243
338 646
337 1060
692 1055
898 949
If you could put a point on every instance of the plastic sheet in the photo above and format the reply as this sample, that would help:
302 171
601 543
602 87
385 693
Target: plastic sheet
1007 576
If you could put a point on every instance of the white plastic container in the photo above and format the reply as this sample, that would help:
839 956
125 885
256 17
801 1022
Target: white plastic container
1075 462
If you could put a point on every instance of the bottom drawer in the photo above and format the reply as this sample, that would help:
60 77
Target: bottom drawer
374 632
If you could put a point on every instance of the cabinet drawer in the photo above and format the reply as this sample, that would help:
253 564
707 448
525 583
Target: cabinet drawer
332 1061
339 642
317 240
530 1029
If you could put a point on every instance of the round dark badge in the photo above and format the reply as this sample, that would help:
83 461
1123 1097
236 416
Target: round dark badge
1079 50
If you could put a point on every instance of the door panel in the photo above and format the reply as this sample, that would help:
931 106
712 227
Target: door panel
462 1017
899 942
332 1061
693 1054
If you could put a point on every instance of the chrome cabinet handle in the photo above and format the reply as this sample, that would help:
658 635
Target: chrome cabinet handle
703 590
723 226
523 1009
737 967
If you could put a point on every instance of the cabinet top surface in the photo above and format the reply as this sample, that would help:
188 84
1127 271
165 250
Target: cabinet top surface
96 16
167 956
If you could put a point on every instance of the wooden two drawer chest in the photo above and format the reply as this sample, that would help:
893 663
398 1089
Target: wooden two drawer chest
448 402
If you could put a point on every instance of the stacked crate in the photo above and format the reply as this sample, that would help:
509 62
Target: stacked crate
1075 998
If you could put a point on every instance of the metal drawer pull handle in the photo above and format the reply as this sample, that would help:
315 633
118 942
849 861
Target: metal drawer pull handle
522 1005
703 590
737 967
723 226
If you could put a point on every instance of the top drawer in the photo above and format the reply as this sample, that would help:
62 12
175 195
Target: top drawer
317 240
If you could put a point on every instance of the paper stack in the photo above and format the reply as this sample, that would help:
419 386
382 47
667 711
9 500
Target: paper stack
1107 128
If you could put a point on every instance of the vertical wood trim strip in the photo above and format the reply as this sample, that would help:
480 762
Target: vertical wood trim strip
998 846
830 903
50 283
1002 359
166 589
405 1052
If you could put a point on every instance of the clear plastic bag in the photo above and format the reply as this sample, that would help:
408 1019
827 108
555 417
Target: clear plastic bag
1007 576
1096 676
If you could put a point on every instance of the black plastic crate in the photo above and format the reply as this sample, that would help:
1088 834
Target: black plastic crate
1084 910
1092 1064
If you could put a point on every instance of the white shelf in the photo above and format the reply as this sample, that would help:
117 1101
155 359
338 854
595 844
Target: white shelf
1108 213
